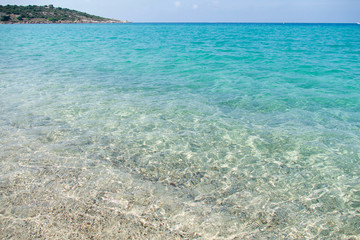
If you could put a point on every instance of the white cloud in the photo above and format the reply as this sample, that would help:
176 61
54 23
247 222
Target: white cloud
177 4
195 6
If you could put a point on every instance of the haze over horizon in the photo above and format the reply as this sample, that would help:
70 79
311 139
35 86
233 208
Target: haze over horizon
304 11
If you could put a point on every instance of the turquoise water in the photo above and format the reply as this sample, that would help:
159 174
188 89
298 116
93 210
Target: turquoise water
180 131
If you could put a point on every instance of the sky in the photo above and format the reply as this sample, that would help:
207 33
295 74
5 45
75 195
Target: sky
307 11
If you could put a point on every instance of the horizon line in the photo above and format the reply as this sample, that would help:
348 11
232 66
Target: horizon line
284 22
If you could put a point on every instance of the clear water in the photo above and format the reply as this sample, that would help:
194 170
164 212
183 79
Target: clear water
180 131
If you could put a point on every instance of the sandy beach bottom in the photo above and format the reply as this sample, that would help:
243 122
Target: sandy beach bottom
74 200
51 195
53 190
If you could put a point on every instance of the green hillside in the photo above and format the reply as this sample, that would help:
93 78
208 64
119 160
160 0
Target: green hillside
47 14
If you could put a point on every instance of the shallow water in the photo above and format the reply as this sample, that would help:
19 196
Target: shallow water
180 131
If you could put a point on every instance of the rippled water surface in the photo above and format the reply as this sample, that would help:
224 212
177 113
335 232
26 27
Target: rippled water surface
180 131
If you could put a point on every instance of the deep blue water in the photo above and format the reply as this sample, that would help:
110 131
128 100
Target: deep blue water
207 130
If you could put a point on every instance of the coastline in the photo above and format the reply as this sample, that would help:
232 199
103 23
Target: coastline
48 14
66 22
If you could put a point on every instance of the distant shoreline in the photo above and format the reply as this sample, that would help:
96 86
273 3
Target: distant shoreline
122 22
48 14
18 23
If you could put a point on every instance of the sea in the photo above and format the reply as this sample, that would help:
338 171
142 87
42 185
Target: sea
180 131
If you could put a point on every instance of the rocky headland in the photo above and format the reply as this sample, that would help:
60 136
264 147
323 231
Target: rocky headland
12 14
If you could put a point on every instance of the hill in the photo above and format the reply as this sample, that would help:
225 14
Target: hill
48 14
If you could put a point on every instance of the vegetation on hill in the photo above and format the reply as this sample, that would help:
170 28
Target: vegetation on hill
47 14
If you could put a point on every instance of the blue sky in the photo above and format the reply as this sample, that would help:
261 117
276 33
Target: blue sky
213 10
